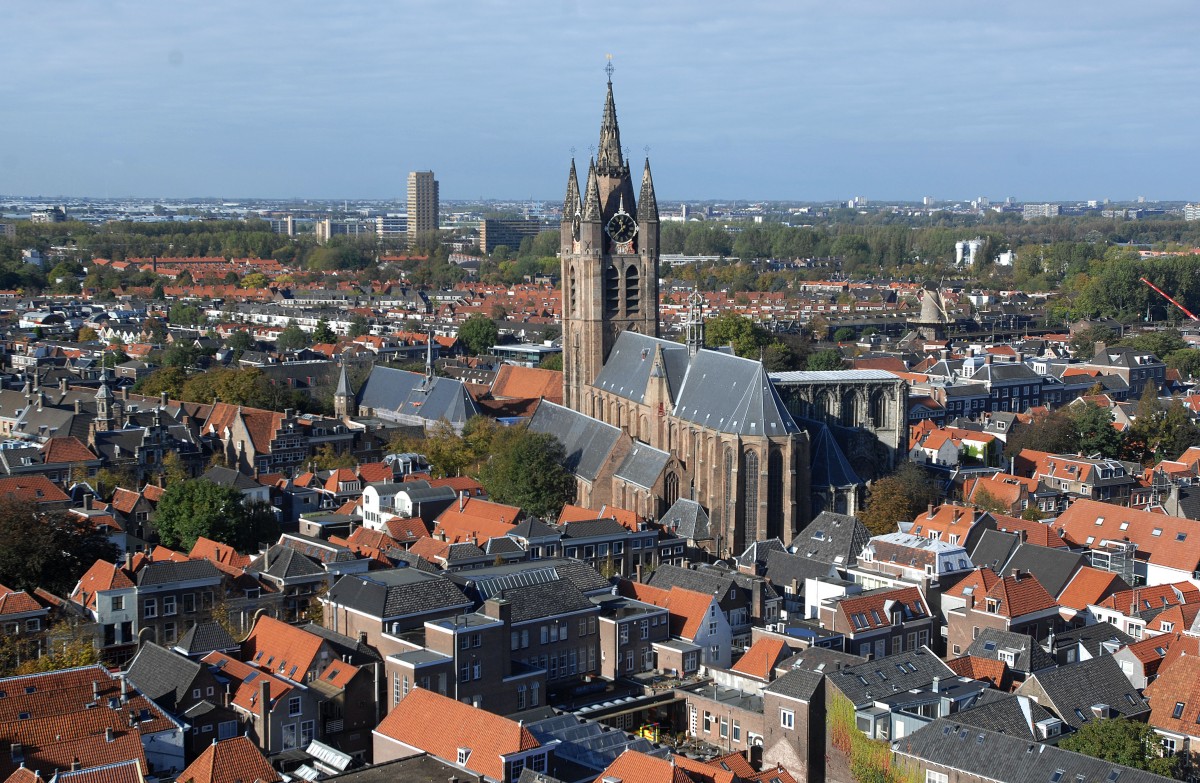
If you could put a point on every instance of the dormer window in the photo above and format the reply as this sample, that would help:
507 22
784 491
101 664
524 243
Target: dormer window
463 755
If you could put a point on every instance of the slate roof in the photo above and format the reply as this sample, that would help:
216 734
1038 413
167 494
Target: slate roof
832 538
1093 637
755 555
1003 758
162 675
784 568
483 583
545 599
203 638
829 466
1052 567
667 576
587 442
161 572
1072 690
904 671
1028 654
399 592
643 465
797 684
1016 716
626 372
593 527
284 562
407 394
733 395
227 477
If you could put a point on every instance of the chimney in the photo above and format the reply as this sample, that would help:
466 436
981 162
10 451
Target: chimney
162 399
937 681
78 406
929 512
95 690
1020 357
264 706
498 609
124 689
462 500
128 564
1098 349
228 696
62 385
124 393
987 359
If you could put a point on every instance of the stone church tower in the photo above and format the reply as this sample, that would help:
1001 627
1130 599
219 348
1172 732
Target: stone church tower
609 249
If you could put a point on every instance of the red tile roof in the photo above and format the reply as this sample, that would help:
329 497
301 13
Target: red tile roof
513 381
216 552
248 681
372 472
1015 596
735 762
761 658
1089 586
100 577
1171 542
66 449
1178 682
875 610
283 650
1032 531
488 736
986 669
1140 599
634 767
687 609
236 760
34 488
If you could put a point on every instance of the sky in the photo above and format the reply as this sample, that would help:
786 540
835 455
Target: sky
790 99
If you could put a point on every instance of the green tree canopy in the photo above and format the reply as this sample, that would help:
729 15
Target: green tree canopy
191 509
1122 741
898 497
292 338
526 470
828 359
478 334
1094 430
746 337
47 549
323 333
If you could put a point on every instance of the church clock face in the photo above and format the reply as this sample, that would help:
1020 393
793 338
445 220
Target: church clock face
621 229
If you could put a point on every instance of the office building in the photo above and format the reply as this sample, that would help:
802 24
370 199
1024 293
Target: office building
496 232
1032 211
422 203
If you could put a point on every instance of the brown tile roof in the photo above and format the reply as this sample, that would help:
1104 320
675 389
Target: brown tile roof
735 762
338 674
34 488
100 577
1178 682
124 500
687 609
527 383
262 425
634 767
476 519
249 681
215 551
986 669
875 610
761 658
235 760
1176 544
1032 531
66 449
1140 599
406 529
282 649
1089 586
774 774
457 725
948 519
17 602
48 714
121 772
702 771
372 472
153 492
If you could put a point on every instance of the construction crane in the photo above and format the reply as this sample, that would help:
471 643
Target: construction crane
1167 296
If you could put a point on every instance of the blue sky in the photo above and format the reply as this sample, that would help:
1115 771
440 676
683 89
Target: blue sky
752 100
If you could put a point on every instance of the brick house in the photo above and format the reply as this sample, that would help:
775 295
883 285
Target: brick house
881 622
1017 603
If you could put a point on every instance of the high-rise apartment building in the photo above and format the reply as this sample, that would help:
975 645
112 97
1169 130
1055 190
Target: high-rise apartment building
1191 212
422 203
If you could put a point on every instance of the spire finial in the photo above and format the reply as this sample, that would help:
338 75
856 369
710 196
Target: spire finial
608 68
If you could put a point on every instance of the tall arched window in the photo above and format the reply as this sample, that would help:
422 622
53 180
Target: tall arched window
633 298
750 494
671 489
573 287
775 510
730 510
878 409
850 409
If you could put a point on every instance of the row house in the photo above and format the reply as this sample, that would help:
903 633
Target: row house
1016 603
881 622
955 524
744 599
1133 611
1142 546
696 619
1090 478
629 631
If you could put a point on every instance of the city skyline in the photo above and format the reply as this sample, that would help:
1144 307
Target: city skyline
801 103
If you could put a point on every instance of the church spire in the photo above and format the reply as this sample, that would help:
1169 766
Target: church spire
609 157
591 207
647 204
572 204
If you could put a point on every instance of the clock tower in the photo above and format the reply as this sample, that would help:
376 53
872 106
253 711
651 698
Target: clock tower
609 251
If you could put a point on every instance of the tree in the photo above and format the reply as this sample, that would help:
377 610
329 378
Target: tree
240 342
746 337
1094 430
191 509
898 497
829 359
292 338
87 334
1052 431
255 280
47 549
844 334
446 451
986 501
1122 741
328 459
359 326
173 469
552 362
478 334
323 333
527 471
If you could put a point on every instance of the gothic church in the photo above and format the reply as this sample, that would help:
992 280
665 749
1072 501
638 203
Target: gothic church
648 421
